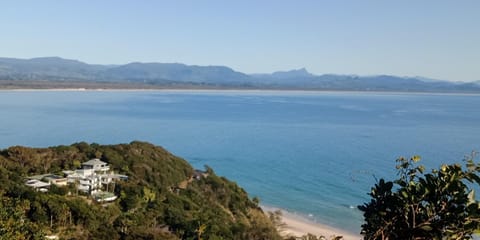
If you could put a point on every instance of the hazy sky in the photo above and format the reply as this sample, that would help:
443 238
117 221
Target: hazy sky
436 39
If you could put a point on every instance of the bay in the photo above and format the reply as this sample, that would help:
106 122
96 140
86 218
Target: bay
313 153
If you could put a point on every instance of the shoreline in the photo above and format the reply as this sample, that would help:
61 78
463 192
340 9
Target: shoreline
231 90
297 225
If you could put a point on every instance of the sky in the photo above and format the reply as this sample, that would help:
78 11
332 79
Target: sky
430 38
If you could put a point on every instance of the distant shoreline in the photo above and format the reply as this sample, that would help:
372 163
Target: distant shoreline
232 90
63 85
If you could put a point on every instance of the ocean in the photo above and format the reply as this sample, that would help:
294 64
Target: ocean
315 154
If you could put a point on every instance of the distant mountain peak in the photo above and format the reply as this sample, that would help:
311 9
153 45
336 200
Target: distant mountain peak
301 72
294 71
48 58
179 74
54 60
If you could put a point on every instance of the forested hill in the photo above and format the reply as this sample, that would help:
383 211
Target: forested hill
55 72
163 198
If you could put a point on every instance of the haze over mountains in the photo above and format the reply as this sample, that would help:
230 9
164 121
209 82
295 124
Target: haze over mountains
56 70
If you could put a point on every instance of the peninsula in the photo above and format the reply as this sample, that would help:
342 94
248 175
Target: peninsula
125 191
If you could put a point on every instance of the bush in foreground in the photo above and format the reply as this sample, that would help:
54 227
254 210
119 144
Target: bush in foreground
436 205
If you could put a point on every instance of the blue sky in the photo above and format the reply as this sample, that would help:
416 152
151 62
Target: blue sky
436 39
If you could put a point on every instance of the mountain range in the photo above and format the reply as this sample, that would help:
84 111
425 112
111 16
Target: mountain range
53 70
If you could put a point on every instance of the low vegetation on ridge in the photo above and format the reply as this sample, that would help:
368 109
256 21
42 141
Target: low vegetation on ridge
160 200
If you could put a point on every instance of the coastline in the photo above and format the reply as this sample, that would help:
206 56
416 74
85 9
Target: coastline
296 225
231 90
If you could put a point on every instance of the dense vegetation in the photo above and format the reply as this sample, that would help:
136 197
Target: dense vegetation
160 200
436 205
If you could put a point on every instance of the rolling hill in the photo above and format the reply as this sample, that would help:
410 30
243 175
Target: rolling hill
54 71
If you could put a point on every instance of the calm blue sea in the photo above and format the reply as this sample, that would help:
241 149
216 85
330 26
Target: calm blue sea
313 153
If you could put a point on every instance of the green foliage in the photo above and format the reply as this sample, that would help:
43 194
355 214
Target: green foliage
54 189
160 200
418 205
14 223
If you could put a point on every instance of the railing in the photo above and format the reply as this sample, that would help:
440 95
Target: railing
85 182
106 168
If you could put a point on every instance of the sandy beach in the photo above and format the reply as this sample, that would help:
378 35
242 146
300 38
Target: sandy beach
296 225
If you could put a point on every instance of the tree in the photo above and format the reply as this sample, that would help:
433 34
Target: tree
14 223
437 205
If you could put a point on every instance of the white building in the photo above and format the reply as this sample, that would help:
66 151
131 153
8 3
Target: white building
92 176
89 178
38 185
96 165
42 182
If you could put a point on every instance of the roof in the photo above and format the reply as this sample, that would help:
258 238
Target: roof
47 176
93 162
114 175
53 177
36 184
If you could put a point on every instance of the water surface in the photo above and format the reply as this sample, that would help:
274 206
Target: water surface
314 153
